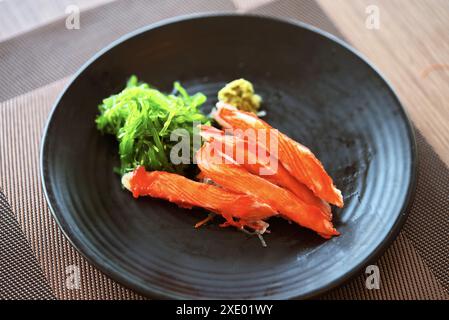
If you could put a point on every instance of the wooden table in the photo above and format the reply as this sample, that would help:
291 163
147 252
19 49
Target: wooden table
412 50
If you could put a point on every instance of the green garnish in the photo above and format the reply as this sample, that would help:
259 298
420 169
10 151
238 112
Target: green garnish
143 119
240 93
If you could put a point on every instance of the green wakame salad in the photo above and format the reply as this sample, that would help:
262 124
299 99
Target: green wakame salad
143 119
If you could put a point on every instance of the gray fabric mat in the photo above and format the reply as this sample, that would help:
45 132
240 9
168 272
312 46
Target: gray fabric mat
22 63
20 274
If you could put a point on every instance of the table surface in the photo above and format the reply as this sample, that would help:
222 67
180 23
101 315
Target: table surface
412 50
411 47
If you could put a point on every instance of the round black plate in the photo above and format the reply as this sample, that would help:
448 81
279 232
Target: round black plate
315 88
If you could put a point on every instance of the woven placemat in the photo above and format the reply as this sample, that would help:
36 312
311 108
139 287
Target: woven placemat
415 266
20 274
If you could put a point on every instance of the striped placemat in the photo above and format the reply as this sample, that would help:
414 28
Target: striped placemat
34 68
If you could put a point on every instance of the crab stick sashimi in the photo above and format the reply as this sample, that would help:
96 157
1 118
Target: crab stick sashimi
188 193
270 169
230 175
296 158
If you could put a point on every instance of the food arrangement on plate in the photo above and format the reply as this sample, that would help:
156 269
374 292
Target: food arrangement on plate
231 162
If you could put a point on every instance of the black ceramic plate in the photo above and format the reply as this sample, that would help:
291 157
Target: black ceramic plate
315 88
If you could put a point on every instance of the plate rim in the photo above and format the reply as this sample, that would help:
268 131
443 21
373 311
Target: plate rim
126 282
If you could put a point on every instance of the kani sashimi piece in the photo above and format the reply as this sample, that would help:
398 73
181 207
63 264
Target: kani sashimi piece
296 158
230 175
239 210
257 160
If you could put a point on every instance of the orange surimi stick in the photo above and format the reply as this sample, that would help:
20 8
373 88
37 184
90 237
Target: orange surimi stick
273 171
296 158
188 193
228 174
